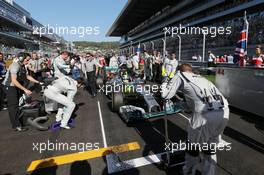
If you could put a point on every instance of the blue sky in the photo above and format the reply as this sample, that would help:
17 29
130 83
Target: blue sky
75 13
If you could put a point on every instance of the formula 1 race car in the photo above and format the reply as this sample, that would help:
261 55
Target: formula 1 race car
137 103
116 78
108 77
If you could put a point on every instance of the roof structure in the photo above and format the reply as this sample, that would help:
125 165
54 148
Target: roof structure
134 13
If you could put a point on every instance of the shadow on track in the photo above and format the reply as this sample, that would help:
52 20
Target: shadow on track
41 168
244 139
80 168
258 121
153 134
74 115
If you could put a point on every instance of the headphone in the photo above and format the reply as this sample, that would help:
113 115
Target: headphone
21 59
22 56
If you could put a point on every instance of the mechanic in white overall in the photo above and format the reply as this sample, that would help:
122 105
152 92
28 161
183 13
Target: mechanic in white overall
56 91
60 67
210 114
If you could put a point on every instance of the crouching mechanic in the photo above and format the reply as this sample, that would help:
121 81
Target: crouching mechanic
55 91
210 114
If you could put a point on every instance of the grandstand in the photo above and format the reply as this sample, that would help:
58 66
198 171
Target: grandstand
143 21
16 31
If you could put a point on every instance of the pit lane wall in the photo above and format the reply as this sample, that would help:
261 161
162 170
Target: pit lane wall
243 87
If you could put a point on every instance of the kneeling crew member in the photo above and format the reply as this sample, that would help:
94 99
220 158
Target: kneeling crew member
210 114
55 92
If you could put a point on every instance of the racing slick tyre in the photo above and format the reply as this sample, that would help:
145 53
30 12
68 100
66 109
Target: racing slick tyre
117 101
99 82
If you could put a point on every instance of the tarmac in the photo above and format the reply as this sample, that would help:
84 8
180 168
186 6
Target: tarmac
137 147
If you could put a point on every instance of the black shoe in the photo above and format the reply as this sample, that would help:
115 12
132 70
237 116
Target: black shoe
3 108
20 129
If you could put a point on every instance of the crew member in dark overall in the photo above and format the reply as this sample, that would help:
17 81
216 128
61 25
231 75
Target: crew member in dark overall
2 76
15 80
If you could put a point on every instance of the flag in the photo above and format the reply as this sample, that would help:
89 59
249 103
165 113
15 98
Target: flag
241 46
138 49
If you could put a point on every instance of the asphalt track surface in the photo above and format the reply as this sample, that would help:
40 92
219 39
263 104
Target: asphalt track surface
244 131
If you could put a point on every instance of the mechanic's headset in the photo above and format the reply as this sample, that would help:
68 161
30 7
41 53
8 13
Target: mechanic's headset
21 59
22 56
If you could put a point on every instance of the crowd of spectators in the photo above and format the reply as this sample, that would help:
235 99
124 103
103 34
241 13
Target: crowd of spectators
14 16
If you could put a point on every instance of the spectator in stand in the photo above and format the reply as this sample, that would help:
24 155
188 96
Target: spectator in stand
217 59
225 58
211 59
199 58
222 59
258 59
230 59
194 57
